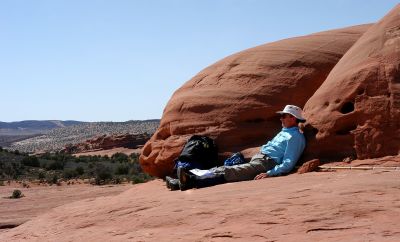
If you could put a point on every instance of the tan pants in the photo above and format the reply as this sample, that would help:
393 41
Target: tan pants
258 164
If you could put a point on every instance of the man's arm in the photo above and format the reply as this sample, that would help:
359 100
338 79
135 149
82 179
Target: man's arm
294 148
261 176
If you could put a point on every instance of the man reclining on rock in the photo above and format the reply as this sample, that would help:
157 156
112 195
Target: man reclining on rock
277 157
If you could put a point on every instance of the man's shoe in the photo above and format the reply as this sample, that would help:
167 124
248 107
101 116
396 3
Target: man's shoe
186 180
172 183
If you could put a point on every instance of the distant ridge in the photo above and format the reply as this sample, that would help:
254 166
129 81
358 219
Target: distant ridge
29 127
55 139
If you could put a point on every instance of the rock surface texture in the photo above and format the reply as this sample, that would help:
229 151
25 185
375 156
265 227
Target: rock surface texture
356 111
316 206
40 199
234 100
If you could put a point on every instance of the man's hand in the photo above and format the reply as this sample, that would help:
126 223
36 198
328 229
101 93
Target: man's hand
261 176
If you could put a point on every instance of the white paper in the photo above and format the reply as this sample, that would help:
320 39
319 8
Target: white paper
202 173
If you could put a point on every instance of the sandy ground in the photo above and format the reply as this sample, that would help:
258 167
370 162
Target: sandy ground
348 205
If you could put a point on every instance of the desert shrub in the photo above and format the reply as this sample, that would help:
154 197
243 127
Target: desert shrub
122 169
69 173
4 150
41 175
1 183
102 173
134 157
140 178
117 180
120 157
16 194
80 170
80 159
55 165
31 161
46 156
137 179
57 157
53 179
136 168
83 159
12 170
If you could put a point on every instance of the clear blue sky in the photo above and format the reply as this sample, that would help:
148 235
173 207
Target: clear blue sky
119 60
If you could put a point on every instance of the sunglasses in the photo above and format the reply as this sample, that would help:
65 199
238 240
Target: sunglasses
285 115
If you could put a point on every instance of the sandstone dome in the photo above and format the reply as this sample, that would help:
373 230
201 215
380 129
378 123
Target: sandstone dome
234 100
356 111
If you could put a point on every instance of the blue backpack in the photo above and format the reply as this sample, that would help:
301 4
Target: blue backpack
236 159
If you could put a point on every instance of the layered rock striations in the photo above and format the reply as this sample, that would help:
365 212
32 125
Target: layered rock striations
234 100
106 142
356 111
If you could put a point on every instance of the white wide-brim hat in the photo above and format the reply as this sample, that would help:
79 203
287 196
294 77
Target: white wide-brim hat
293 110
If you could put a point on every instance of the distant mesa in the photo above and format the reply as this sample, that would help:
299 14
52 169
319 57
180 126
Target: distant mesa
84 136
106 142
352 103
30 127
11 132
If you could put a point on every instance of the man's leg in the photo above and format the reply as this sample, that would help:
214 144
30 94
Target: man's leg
259 164
188 180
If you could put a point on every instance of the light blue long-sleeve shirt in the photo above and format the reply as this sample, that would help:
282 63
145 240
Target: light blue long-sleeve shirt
285 149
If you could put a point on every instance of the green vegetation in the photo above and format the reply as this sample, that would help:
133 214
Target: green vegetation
53 168
31 161
16 194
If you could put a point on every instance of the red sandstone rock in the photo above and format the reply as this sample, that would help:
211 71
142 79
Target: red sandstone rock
40 199
356 111
234 100
309 166
318 206
105 142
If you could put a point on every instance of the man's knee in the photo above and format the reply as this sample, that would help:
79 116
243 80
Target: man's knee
257 157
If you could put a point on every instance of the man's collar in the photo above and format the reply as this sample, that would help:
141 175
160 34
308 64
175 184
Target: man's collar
290 128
